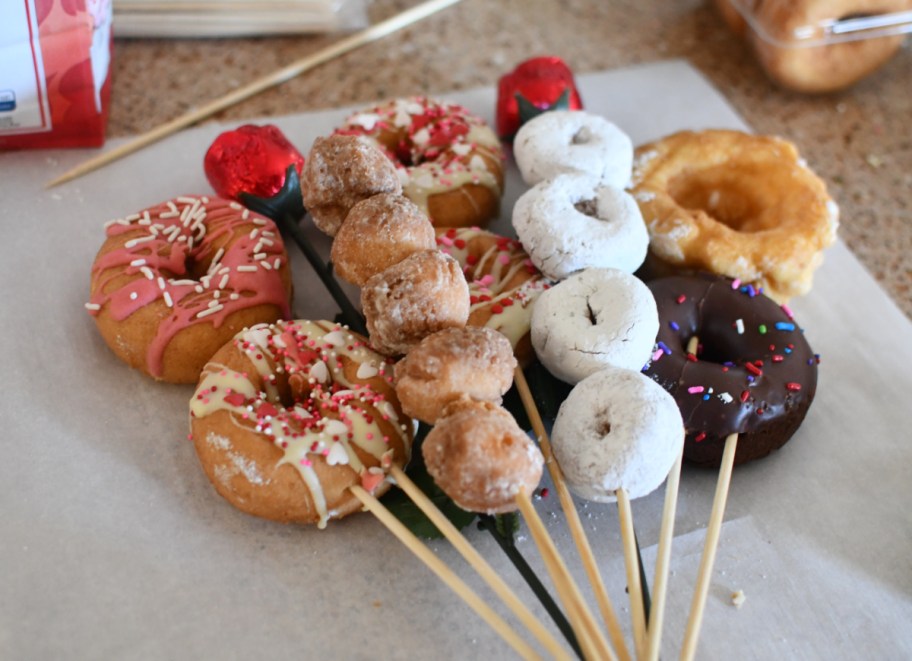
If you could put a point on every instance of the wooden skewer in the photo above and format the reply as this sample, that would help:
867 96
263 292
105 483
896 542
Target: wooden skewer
663 558
593 643
282 75
634 587
471 555
710 544
574 523
437 566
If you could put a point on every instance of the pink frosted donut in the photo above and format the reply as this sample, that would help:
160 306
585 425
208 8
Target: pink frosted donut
173 283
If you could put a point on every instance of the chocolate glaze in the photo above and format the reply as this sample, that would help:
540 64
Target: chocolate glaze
758 383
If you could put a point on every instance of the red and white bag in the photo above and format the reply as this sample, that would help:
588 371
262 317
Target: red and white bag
55 81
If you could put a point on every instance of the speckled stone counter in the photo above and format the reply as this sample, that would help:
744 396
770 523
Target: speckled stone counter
859 141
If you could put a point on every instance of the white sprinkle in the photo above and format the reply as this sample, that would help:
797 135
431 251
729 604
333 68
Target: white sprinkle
186 200
182 283
223 282
367 370
161 282
92 306
266 266
132 243
259 255
260 221
212 304
246 214
739 325
198 289
277 263
267 233
235 206
168 301
208 311
217 294
725 397
137 262
146 271
246 268
234 296
133 295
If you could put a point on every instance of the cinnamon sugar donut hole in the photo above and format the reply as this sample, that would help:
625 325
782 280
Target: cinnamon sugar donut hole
339 172
471 362
424 293
480 457
377 233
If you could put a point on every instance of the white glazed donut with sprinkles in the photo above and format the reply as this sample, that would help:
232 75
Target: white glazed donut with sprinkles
287 417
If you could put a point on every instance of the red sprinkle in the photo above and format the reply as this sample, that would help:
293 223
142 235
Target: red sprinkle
753 369
681 299
545 492
745 395
699 437
692 358
794 387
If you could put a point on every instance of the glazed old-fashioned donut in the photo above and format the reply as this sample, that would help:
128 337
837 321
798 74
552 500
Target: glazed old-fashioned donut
616 429
339 172
594 319
566 141
573 222
457 362
481 458
288 416
424 293
753 374
736 204
451 162
821 59
174 282
377 233
503 282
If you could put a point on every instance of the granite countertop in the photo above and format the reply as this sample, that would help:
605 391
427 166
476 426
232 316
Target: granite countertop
859 140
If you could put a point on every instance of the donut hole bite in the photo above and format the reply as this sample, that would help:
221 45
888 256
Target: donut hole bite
424 293
377 233
339 172
481 458
477 363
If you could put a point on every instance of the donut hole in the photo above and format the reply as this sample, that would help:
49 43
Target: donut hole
582 136
729 195
587 207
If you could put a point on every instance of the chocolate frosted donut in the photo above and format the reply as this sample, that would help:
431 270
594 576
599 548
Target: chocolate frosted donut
753 374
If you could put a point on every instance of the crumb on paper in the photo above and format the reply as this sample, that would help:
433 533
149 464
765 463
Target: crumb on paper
738 598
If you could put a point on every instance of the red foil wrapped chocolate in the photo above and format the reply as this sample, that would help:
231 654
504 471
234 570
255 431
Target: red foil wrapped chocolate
250 159
533 87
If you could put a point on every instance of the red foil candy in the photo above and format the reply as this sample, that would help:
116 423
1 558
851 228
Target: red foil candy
250 159
534 87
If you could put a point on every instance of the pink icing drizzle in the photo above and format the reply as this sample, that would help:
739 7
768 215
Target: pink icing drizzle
183 231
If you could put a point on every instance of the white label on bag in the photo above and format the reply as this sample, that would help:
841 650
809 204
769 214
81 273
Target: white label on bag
23 93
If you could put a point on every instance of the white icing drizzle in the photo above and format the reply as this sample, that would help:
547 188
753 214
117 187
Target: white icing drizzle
334 417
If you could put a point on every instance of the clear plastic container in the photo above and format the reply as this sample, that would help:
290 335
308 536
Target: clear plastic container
820 45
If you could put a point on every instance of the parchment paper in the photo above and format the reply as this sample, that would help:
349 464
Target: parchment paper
114 545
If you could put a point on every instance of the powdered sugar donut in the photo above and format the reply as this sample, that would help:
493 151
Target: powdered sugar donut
594 319
573 222
563 141
617 429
